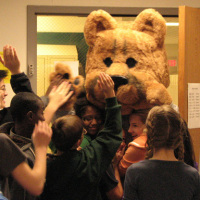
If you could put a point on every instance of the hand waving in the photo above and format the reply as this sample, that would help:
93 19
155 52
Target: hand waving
10 60
41 135
61 94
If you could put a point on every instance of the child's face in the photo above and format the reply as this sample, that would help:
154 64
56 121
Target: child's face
92 120
3 94
136 126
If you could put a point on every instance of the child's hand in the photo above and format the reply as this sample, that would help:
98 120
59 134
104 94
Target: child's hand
118 156
78 148
61 94
106 84
55 82
41 135
10 60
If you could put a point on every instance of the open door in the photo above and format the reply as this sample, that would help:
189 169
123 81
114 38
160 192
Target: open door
189 63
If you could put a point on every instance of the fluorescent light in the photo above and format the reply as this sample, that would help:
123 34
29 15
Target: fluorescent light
172 24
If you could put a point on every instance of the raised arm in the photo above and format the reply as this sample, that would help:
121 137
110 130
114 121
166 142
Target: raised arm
19 81
11 60
33 179
109 138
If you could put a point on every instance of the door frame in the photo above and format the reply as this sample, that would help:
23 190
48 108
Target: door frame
33 11
189 70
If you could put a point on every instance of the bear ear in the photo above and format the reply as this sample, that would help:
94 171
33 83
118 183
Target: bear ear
97 21
151 22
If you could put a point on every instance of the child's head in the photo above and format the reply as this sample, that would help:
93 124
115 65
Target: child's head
3 93
164 130
137 121
27 106
91 115
67 131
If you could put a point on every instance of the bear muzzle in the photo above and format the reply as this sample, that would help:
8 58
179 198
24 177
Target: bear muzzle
119 80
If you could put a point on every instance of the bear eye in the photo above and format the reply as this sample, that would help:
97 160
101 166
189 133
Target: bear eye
131 62
108 61
65 76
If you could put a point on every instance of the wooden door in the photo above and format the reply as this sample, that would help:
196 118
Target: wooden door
189 63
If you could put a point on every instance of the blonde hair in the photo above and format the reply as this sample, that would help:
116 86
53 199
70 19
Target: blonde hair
164 130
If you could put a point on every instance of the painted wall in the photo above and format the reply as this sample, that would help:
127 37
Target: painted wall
13 18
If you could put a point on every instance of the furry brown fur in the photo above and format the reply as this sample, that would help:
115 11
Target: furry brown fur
133 54
76 82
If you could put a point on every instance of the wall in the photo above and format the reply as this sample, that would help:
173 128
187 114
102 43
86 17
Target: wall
14 23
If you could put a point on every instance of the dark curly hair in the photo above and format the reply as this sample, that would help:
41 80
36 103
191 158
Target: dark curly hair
81 105
22 103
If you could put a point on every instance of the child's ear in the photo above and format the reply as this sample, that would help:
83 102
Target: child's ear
30 116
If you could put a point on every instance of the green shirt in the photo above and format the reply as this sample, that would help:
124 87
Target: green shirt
86 141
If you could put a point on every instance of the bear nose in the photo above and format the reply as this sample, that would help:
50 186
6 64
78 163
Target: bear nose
119 80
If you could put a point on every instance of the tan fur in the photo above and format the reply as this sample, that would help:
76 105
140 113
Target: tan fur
142 40
61 69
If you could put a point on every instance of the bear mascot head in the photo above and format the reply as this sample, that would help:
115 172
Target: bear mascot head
133 54
77 83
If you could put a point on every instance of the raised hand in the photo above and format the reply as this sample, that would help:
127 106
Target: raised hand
61 94
11 60
41 135
55 82
106 84
119 154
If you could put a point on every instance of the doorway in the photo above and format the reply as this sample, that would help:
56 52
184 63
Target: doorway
64 26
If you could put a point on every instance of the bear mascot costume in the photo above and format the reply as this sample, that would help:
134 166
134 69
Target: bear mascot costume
77 83
133 54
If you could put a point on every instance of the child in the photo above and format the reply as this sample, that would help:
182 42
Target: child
137 148
93 118
27 109
76 174
12 161
19 81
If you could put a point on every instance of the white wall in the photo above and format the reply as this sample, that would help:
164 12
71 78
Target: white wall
13 14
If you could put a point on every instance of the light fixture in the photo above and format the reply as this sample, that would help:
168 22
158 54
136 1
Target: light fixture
172 24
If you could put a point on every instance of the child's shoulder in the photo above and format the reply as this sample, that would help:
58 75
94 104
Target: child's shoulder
139 142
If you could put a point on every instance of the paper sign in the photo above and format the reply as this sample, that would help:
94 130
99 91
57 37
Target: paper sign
193 105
